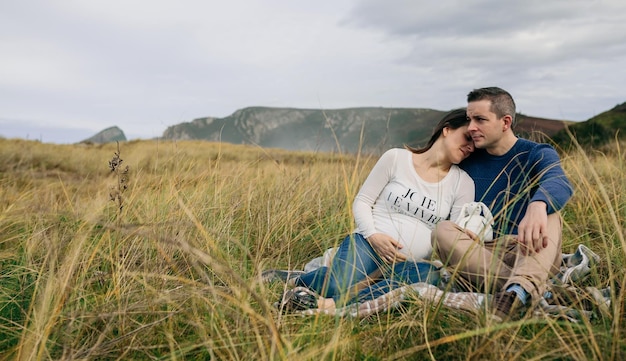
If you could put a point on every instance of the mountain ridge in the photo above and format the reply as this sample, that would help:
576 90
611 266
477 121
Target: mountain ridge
369 129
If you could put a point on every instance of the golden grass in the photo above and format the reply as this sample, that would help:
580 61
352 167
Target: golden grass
175 273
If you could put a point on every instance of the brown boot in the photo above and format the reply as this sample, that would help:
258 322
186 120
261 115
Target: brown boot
505 306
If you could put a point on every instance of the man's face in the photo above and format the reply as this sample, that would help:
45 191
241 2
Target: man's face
485 127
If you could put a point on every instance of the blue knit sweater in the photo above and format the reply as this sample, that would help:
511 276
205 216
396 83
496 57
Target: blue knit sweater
507 184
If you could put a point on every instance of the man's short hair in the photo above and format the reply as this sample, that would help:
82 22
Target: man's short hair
502 102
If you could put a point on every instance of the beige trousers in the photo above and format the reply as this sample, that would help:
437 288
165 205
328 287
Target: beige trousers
493 266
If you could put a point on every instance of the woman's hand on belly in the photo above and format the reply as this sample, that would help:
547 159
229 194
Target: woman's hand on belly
386 247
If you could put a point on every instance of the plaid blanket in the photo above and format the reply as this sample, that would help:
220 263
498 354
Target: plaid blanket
565 297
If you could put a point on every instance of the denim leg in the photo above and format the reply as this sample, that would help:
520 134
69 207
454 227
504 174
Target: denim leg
354 261
314 280
403 274
413 272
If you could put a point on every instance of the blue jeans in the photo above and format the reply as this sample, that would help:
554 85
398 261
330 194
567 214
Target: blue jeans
346 280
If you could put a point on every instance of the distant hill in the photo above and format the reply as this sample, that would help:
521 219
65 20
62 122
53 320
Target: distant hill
537 128
108 135
369 129
596 131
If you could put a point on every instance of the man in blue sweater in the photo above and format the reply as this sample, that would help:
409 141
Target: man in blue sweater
524 185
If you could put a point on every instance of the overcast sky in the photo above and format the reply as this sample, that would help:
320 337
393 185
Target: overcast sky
69 69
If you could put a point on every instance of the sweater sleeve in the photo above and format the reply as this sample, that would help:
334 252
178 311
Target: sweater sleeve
554 189
370 190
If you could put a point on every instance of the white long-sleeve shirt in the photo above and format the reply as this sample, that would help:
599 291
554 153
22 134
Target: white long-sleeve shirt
396 201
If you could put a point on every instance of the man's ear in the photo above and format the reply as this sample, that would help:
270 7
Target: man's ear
507 122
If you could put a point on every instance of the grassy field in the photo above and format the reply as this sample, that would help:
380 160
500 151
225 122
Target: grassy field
162 261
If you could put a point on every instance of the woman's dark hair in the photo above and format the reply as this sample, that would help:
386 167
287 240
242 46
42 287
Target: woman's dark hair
453 120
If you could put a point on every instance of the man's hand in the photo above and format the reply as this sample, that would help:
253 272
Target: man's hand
386 247
531 233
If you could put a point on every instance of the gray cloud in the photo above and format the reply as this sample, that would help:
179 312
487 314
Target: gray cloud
549 51
536 32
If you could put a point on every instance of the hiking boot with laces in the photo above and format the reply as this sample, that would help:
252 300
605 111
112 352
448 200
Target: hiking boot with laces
298 299
505 305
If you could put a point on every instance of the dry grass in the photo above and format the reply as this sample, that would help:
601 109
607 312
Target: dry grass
175 274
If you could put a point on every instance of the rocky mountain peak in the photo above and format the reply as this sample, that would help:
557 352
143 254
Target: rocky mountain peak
108 135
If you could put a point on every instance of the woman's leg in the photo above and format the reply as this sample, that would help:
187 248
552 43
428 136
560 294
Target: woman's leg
404 273
314 280
354 261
